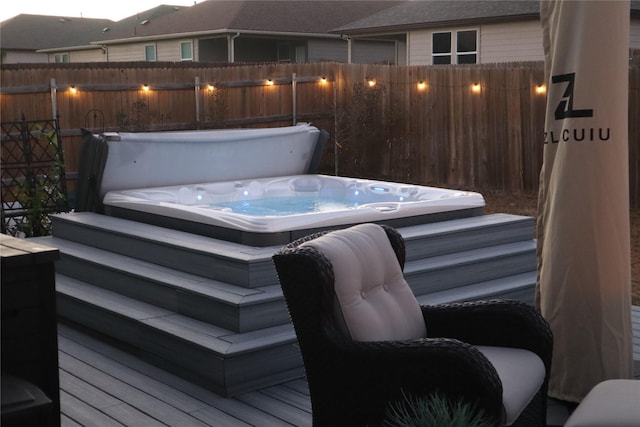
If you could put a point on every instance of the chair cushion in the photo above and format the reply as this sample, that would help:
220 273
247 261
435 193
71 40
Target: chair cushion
611 403
521 372
372 295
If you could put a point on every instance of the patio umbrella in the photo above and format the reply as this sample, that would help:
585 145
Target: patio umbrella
584 274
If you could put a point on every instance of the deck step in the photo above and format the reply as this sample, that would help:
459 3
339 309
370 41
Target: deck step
225 261
465 268
436 239
219 359
213 311
517 287
233 307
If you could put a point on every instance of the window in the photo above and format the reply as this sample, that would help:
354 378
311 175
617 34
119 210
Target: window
284 52
459 47
150 52
186 51
466 47
442 48
61 57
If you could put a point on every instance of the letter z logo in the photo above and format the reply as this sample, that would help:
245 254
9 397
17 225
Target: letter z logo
565 107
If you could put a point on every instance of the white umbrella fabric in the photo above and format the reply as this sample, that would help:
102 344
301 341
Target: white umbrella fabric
584 273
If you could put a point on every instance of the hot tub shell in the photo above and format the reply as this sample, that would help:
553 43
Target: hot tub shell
202 208
179 179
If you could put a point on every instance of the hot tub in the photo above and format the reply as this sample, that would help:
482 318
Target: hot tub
277 210
258 187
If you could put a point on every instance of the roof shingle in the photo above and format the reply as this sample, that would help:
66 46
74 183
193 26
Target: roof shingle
309 17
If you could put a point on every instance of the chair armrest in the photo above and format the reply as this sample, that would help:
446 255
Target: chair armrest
381 372
503 323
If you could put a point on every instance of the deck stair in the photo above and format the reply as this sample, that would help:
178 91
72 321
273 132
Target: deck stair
212 311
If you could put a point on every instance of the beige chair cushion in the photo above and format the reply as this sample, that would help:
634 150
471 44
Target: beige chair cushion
374 299
521 373
611 403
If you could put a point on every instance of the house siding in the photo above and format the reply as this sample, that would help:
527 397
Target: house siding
169 50
634 41
126 52
327 50
89 55
419 47
21 57
373 52
166 50
517 41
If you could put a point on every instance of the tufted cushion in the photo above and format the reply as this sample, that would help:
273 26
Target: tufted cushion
373 297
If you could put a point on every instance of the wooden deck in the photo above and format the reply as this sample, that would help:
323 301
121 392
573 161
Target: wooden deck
101 385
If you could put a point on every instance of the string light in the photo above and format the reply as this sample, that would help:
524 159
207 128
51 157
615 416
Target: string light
323 80
210 87
145 87
73 89
371 82
422 85
476 88
541 89
269 82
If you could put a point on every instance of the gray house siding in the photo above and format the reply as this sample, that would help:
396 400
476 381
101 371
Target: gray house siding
373 52
256 49
634 40
327 50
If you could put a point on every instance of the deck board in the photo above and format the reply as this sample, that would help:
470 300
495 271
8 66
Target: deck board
148 389
102 385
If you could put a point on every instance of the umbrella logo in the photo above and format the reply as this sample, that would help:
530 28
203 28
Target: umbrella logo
565 110
565 107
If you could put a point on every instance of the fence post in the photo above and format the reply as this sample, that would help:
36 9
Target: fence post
335 126
294 85
197 93
54 98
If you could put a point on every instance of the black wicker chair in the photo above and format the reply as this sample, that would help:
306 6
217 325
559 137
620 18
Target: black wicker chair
352 382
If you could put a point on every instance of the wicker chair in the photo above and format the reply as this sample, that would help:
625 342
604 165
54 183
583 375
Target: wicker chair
355 370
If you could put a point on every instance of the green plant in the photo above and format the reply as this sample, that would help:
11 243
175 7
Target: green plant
434 411
42 193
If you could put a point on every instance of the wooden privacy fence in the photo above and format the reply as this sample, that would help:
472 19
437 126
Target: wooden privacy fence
420 124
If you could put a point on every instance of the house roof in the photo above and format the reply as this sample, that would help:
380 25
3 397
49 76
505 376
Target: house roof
432 13
292 16
33 32
41 32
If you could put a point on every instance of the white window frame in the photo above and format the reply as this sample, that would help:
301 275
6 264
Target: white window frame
442 54
469 52
155 52
453 49
190 44
61 58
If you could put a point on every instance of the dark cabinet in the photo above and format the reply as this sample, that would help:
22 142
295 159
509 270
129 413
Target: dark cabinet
30 385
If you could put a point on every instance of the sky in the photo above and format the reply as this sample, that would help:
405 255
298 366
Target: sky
106 9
